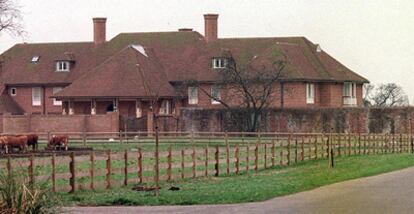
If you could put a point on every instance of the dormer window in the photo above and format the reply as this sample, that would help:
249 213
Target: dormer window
35 59
219 63
62 66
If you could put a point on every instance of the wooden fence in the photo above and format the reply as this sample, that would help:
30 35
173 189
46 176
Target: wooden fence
219 154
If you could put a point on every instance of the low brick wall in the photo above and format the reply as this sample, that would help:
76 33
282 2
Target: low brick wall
315 120
60 123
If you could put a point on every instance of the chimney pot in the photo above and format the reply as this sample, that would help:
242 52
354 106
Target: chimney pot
210 27
99 30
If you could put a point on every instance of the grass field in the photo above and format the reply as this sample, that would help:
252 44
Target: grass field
266 184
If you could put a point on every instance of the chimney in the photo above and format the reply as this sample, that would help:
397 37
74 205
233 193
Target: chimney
210 27
99 30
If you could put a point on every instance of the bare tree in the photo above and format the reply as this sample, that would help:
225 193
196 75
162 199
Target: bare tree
367 96
10 18
387 95
245 91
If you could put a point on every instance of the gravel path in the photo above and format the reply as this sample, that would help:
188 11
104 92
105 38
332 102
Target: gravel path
387 193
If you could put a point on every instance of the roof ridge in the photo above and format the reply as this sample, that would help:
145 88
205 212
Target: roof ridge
264 37
55 43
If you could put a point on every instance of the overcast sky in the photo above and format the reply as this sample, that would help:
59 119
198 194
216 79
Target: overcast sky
375 38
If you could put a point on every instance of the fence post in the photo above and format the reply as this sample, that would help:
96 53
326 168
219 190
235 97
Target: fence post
227 159
247 159
84 137
256 157
9 168
216 166
182 164
316 146
206 162
193 156
54 173
359 143
31 172
288 149
302 152
237 158
169 159
126 168
296 149
393 142
92 170
72 173
281 153
401 143
339 145
349 144
265 155
273 153
108 169
369 147
140 165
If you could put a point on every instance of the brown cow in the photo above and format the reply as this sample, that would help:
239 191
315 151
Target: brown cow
32 141
3 144
15 141
58 141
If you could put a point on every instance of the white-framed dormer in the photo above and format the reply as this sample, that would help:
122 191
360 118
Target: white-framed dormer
219 62
310 93
349 94
62 66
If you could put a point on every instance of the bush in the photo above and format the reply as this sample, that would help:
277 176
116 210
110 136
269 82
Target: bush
18 197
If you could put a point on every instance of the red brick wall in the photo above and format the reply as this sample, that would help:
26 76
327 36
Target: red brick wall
24 99
60 123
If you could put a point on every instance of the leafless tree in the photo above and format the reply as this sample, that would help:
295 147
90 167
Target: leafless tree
387 95
245 91
10 18
367 96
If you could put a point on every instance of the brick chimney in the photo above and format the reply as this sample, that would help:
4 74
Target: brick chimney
99 30
210 27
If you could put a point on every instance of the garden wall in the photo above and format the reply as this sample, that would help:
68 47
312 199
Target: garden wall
59 123
316 120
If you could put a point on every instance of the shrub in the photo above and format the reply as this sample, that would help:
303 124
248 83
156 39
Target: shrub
18 197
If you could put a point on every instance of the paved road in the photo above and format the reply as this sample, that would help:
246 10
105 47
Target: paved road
387 193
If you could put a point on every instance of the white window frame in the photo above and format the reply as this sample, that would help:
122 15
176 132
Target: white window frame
219 63
349 89
62 66
54 91
213 89
36 96
165 107
192 95
13 94
310 93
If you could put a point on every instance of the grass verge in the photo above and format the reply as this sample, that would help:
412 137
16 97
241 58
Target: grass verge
264 185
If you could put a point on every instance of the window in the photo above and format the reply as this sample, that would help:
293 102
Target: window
57 102
62 66
215 94
35 59
165 107
13 92
219 63
349 89
310 93
36 96
192 95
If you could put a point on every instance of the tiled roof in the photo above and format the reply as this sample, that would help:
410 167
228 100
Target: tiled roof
110 69
8 105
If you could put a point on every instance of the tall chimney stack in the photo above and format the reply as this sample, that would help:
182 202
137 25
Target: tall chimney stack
210 27
99 30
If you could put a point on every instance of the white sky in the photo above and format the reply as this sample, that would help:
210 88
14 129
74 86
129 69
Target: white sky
375 38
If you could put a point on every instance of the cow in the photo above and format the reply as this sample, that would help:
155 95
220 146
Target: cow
32 141
58 141
3 144
11 142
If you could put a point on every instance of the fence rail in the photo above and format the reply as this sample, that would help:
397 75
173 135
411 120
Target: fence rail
192 155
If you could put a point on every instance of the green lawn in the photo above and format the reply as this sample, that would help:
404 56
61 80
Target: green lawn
264 185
